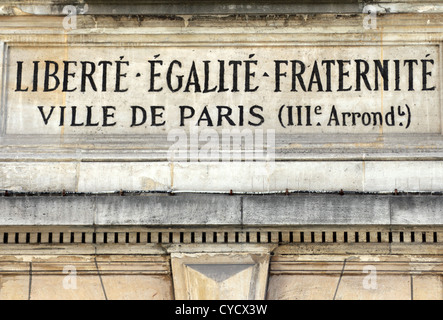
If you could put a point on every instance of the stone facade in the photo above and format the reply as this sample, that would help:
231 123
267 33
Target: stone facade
211 150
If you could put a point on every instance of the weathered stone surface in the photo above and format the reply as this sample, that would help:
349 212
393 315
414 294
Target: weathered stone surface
240 177
207 93
428 287
120 276
368 277
14 280
416 210
126 210
14 287
47 211
85 277
316 209
141 7
138 287
44 177
95 95
223 275
393 287
212 210
49 287
260 177
136 176
302 287
53 158
168 210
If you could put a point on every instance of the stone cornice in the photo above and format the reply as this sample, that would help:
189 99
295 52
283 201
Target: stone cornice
206 7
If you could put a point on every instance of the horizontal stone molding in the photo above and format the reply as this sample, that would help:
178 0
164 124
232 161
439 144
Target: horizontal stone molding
391 240
382 177
192 210
144 7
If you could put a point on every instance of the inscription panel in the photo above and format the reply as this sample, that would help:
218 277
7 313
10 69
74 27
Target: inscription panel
147 90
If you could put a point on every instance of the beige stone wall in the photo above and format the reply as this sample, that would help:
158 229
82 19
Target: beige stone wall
363 161
68 277
355 278
92 212
153 264
294 277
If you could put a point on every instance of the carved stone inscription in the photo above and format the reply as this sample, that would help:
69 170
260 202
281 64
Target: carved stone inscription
291 89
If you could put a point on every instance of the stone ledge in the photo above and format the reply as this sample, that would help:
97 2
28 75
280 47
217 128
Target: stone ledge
379 177
179 7
210 7
187 210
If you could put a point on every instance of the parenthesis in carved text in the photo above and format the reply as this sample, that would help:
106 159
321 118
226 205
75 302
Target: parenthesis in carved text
409 116
280 116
